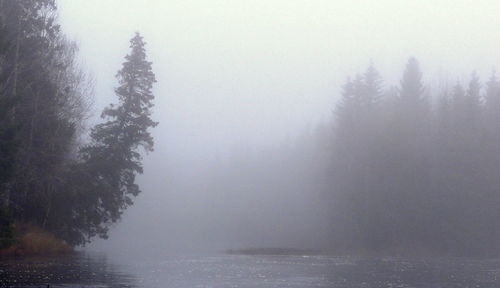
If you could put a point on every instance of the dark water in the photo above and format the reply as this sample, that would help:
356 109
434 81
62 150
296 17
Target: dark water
93 270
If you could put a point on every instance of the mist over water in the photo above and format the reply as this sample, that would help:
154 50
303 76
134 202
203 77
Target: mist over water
245 100
229 143
97 270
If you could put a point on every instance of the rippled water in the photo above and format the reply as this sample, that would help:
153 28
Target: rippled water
94 270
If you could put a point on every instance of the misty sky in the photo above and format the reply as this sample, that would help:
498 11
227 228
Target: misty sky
240 75
237 72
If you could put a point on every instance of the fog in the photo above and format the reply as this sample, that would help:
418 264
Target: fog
245 98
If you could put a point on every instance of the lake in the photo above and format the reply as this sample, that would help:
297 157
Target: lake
97 270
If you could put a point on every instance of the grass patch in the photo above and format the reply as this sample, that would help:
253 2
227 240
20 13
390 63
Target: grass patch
32 240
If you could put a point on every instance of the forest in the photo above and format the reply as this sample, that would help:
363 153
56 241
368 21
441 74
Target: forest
399 169
415 169
55 173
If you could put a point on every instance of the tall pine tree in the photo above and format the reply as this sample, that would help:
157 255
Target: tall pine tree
112 160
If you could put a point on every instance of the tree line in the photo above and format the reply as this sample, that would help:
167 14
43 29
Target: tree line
416 171
49 176
400 169
403 169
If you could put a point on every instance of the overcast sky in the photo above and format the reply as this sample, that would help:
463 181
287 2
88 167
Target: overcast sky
236 74
232 72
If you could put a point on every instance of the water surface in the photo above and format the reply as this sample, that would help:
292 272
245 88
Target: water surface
97 270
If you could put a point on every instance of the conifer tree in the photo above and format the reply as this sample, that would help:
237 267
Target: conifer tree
492 106
473 102
373 85
412 88
113 159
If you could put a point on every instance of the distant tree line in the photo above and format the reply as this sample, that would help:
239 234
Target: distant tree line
416 172
49 177
399 170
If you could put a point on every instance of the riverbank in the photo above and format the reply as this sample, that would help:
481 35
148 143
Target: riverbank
32 240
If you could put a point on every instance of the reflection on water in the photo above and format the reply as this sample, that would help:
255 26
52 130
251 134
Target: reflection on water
91 270
74 270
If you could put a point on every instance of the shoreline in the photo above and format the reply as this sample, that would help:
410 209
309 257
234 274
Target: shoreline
32 241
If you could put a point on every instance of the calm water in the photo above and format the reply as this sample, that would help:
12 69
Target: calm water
93 270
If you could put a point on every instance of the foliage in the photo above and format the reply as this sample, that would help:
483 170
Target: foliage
6 230
45 178
407 178
105 179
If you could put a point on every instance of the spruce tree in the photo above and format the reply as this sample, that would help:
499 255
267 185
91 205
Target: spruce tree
373 85
113 159
492 106
412 88
473 102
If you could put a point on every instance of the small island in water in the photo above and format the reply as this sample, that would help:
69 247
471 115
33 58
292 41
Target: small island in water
275 251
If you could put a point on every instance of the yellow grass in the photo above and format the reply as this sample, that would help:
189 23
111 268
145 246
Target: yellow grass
32 240
40 242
